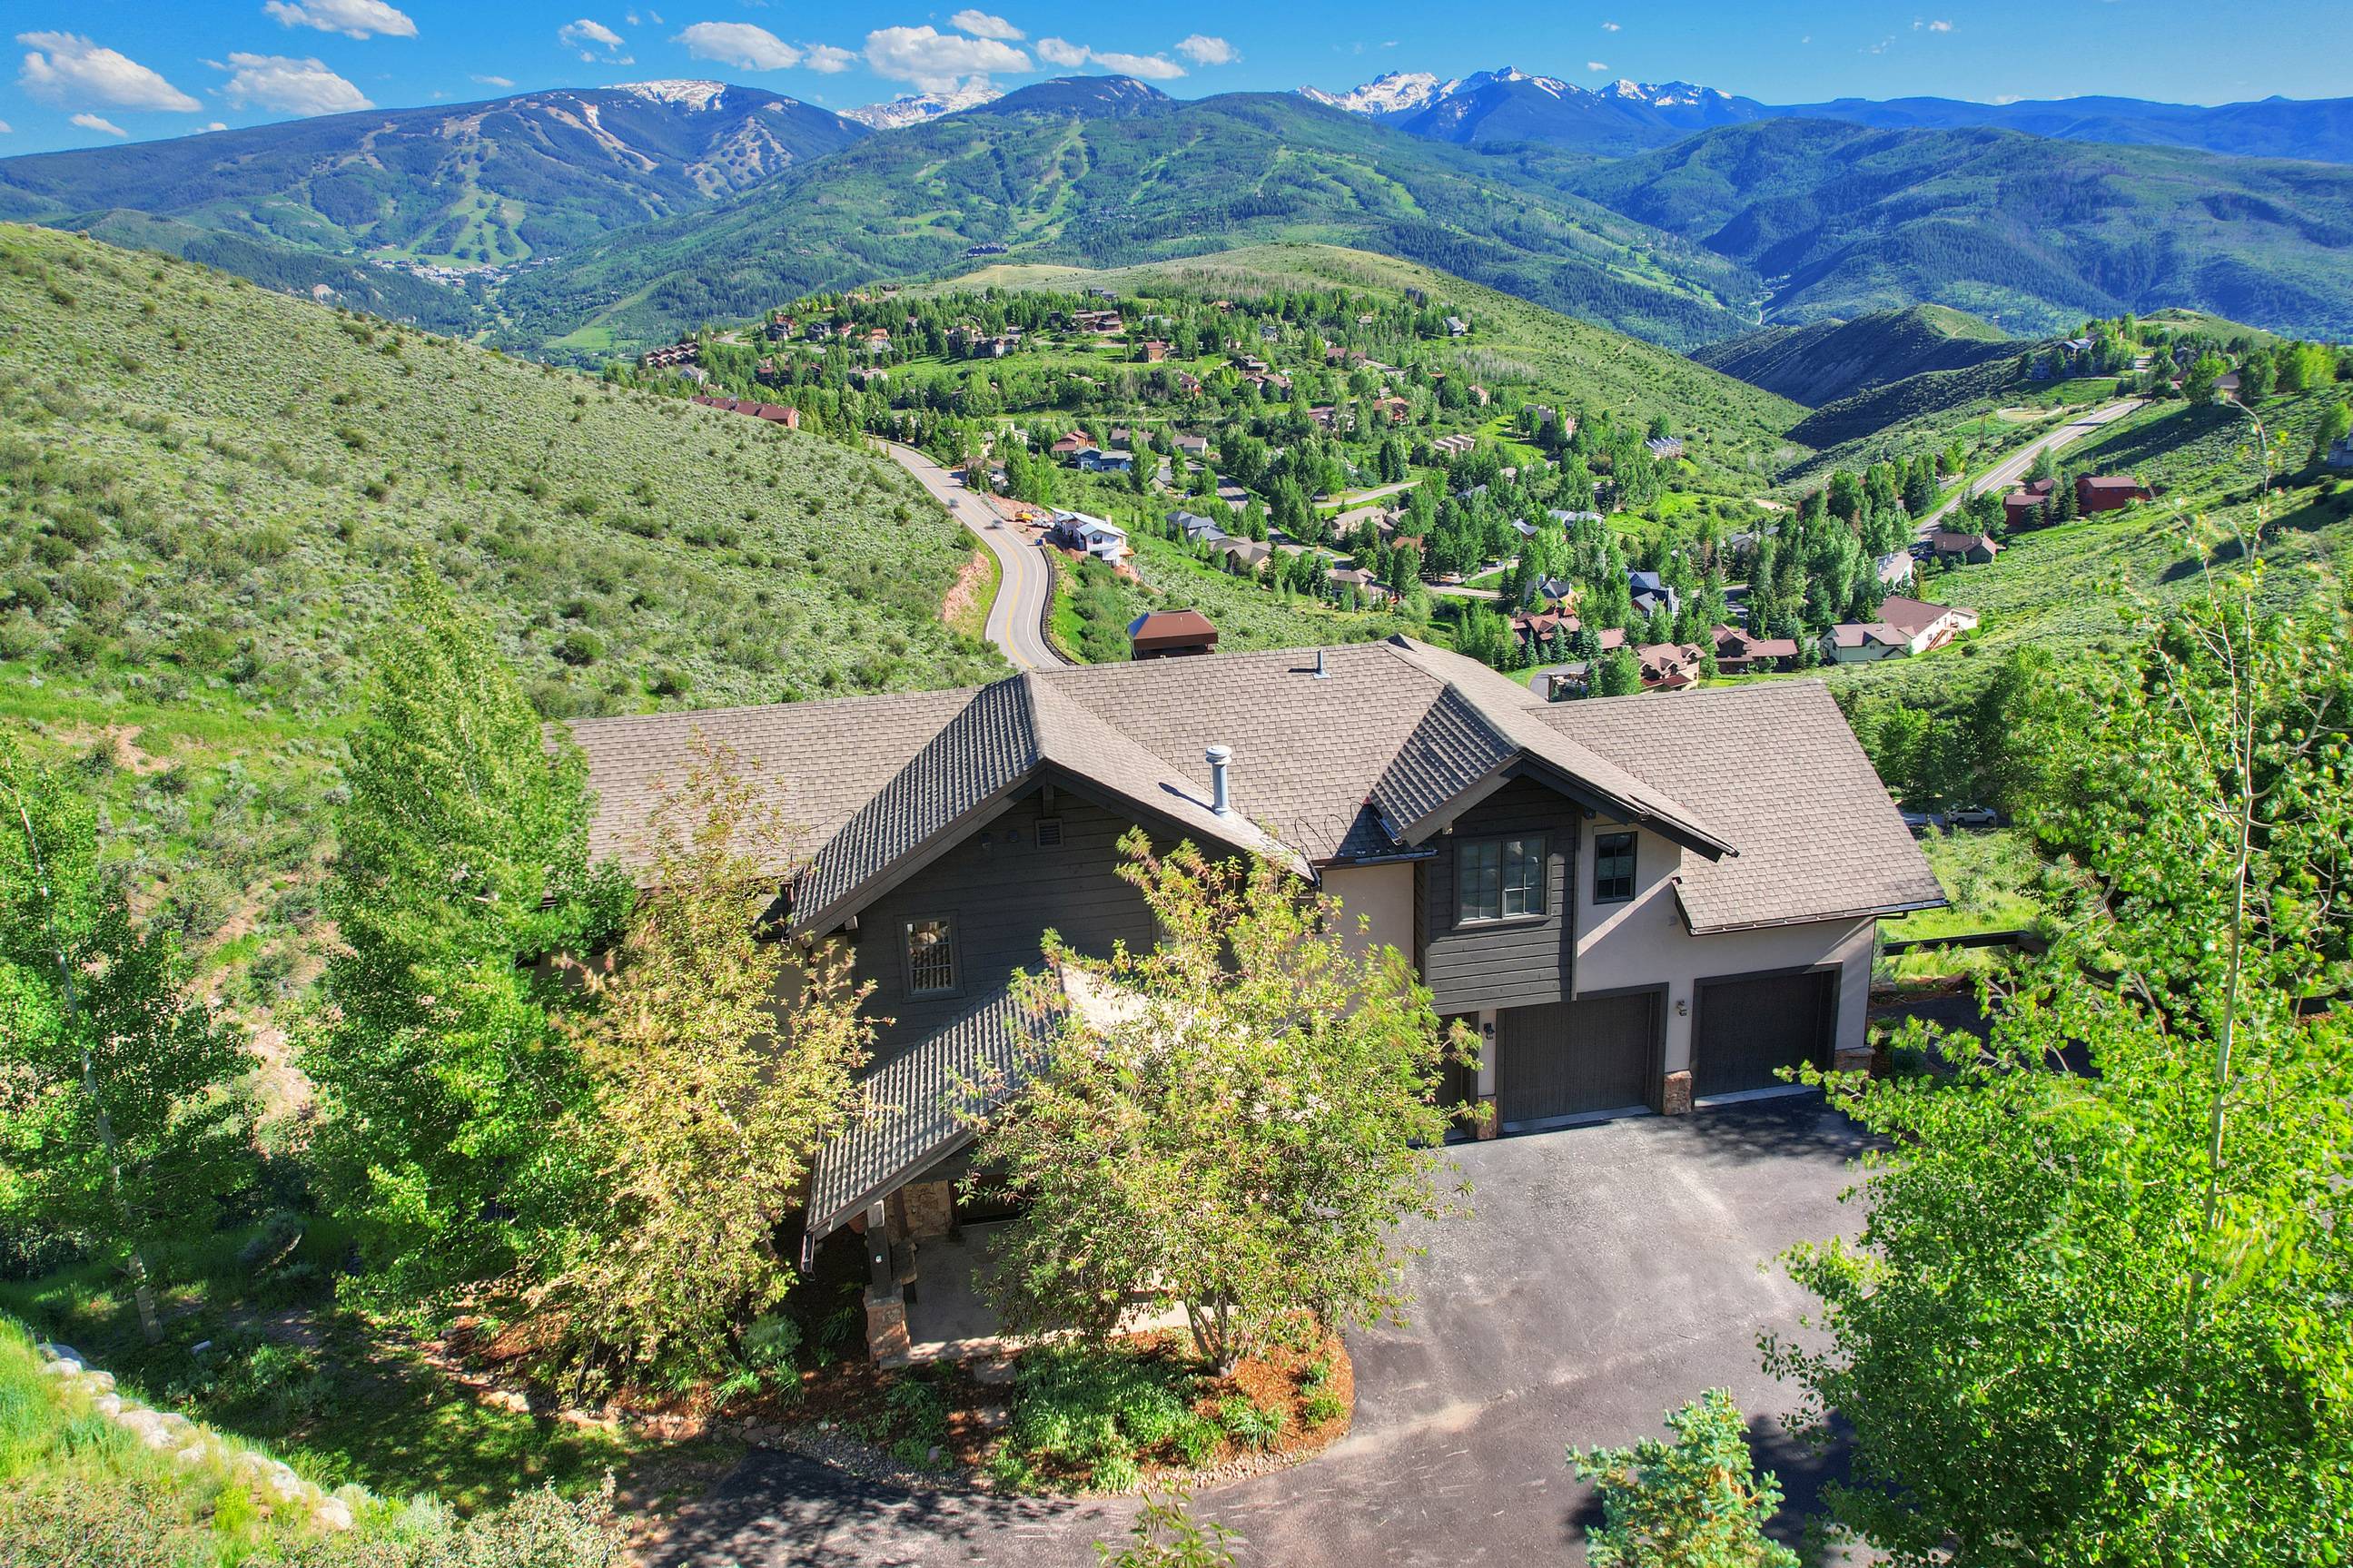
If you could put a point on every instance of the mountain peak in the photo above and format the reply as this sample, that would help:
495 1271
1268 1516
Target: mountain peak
679 91
1113 95
916 107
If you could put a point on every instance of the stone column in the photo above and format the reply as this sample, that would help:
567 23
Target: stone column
1676 1098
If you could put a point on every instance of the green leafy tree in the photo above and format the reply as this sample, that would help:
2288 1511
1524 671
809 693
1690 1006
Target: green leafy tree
1238 1133
444 1076
1697 1502
1619 674
119 1115
2095 1314
2198 384
2335 426
708 1102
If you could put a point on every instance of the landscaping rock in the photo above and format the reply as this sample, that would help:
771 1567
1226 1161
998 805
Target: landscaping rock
335 1514
98 1381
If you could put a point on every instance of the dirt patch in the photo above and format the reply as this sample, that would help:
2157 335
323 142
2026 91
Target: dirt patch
964 609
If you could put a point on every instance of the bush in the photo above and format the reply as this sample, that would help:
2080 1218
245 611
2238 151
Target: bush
1197 1439
1250 1423
578 646
1090 1412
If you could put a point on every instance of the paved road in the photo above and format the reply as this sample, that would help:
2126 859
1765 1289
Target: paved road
1014 620
1610 1274
2005 475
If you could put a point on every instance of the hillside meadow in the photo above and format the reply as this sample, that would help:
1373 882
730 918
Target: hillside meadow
208 492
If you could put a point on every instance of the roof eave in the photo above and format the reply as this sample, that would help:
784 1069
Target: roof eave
1728 928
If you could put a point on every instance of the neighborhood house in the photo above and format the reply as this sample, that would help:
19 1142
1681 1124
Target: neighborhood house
1095 536
1630 915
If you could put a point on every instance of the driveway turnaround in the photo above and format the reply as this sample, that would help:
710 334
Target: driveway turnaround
1608 1274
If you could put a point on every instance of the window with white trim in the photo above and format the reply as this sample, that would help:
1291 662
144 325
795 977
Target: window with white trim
931 956
1500 879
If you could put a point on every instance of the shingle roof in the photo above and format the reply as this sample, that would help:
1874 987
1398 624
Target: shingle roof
908 1117
1778 767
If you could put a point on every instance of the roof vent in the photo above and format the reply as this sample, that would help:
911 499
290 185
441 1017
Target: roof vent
1321 673
1050 833
1220 796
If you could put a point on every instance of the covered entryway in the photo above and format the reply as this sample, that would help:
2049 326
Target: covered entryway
1749 1027
1575 1058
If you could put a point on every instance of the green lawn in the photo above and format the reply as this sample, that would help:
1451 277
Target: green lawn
1993 880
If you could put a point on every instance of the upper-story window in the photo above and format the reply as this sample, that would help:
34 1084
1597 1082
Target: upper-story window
1613 867
931 956
1501 879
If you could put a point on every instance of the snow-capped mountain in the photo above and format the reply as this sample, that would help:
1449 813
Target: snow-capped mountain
1508 104
693 96
917 107
1398 92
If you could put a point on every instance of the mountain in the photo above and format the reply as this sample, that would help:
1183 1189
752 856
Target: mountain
1629 116
1099 171
2031 235
462 187
913 109
1833 359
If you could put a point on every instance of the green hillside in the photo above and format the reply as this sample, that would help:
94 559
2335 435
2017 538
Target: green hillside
2029 234
1729 425
1120 187
210 491
1831 360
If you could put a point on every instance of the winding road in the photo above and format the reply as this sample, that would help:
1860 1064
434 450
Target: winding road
1017 619
2005 474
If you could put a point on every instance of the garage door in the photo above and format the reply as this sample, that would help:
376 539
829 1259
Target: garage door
1570 1057
1749 1028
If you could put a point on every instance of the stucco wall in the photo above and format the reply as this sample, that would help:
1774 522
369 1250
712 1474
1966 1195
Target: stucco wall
1382 893
1642 942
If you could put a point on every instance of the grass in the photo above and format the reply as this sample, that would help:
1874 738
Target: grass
1992 879
207 491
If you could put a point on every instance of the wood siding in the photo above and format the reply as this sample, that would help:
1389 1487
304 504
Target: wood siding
1003 892
1505 964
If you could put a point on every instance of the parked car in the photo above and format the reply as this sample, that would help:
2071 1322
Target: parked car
1973 816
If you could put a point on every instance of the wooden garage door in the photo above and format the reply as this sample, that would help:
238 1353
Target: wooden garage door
1747 1028
1569 1057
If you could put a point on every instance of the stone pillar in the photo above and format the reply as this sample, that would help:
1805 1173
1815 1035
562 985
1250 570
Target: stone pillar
929 1209
1676 1098
1857 1059
886 1325
1491 1125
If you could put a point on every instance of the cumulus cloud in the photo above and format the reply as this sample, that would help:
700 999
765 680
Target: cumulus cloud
981 24
103 126
352 18
1609 27
741 44
495 80
6 128
593 39
1150 68
1595 66
64 66
935 61
1938 26
1061 52
218 125
828 59
291 86
1203 50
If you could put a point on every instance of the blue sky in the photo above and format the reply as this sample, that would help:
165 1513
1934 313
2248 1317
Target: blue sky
98 71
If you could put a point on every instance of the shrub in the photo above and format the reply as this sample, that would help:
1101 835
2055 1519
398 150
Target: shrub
1250 1423
578 646
1197 1439
1088 1409
1322 1405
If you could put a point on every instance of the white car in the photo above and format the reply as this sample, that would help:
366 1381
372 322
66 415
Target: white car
1973 816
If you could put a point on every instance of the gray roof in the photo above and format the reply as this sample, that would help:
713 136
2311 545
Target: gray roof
1776 766
908 1116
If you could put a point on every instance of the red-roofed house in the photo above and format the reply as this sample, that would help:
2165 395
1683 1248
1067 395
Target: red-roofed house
2110 492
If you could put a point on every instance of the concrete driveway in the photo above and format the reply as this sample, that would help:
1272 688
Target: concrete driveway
1610 1273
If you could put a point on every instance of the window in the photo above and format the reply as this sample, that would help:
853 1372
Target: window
931 957
1613 867
1501 879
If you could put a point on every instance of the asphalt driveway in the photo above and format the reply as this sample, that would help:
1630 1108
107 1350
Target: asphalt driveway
1608 1274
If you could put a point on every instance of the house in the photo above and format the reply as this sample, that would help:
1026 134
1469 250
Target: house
1894 569
1343 578
1250 555
1977 549
2226 387
1457 327
1454 445
1170 633
1101 323
1668 667
1904 626
775 413
2110 492
1095 460
665 358
1631 916
1071 444
1193 446
1188 384
1155 351
1395 410
1651 594
1665 448
1095 536
1739 652
2024 508
2340 456
1196 528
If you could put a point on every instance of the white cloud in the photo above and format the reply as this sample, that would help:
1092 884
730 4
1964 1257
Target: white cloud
1150 68
1609 27
65 65
6 128
590 38
352 18
741 44
1595 66
1208 51
495 80
981 24
103 126
828 58
1061 52
218 125
293 86
935 61
1940 27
